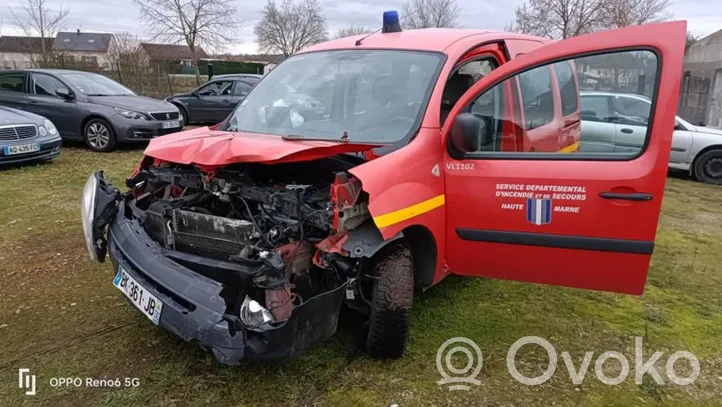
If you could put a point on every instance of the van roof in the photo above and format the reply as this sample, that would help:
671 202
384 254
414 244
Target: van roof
427 39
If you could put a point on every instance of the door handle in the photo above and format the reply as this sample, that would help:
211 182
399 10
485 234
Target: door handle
632 196
32 102
627 131
226 101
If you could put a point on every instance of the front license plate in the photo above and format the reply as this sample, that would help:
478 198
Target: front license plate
21 149
146 302
170 125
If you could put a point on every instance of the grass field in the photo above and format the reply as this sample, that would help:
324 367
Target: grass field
60 316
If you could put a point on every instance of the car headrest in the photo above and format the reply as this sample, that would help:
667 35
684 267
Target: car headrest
384 89
456 86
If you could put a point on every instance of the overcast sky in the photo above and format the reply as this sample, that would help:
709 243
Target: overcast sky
704 16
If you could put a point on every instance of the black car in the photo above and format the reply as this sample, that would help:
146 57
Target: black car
26 137
87 106
214 100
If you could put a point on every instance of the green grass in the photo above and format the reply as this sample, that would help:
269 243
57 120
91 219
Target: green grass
60 316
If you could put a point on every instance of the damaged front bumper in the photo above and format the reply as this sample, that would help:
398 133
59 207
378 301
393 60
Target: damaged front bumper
193 306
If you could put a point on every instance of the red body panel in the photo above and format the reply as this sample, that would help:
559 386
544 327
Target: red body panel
213 148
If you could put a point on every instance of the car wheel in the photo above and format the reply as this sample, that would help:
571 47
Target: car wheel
184 115
392 295
708 167
99 135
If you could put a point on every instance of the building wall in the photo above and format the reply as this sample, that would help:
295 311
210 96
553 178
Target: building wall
14 60
700 98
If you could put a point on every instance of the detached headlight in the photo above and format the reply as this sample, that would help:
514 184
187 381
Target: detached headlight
48 128
129 114
253 314
87 212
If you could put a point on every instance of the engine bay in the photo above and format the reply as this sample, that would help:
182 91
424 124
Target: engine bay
271 234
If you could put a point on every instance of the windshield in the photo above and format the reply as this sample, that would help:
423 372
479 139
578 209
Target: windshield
92 84
371 96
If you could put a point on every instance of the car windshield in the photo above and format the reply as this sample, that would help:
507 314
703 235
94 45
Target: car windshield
92 84
367 96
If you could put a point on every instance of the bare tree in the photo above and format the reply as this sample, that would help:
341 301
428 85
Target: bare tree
196 23
290 26
37 19
430 13
351 31
559 19
691 39
624 13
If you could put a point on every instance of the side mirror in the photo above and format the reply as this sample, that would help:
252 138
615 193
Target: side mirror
470 132
64 93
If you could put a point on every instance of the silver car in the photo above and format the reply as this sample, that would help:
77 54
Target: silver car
26 137
617 122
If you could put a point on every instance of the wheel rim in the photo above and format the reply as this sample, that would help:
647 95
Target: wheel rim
713 168
98 135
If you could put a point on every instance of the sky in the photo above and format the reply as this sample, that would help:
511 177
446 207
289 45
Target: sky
704 16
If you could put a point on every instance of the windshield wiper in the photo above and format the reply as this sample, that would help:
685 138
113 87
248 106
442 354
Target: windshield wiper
296 137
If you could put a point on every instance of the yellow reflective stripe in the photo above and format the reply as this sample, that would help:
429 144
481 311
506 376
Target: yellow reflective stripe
570 149
409 212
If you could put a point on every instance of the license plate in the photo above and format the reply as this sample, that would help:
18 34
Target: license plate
21 149
170 125
146 302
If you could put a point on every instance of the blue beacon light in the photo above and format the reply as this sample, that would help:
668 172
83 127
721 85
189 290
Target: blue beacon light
391 22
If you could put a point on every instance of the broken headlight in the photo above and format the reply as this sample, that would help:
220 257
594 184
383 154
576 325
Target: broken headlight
87 213
253 314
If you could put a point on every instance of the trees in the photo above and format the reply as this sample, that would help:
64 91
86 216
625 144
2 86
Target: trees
196 23
560 19
289 26
430 13
351 30
37 19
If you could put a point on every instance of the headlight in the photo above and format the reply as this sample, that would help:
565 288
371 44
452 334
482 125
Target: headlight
50 127
129 114
87 212
253 314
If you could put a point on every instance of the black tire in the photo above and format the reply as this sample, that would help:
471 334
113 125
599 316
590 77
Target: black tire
99 136
708 167
184 114
392 296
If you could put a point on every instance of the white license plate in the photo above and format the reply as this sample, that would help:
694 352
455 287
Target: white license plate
21 149
146 302
170 125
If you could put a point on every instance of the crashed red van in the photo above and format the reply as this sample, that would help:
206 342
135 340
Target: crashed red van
364 169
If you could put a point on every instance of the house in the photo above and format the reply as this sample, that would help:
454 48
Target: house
700 99
22 52
155 53
87 48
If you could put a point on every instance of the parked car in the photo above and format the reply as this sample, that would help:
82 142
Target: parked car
617 122
87 106
433 152
214 100
26 137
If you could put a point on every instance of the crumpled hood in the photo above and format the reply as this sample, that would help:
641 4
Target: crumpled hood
214 148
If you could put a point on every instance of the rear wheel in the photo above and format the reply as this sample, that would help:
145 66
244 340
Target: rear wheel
708 167
99 136
392 295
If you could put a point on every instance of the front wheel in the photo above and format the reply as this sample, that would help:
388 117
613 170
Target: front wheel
708 167
99 135
392 295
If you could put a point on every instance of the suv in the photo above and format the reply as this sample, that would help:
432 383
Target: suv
88 107
367 168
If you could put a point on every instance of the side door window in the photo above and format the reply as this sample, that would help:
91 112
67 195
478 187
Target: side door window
13 82
46 85
462 79
537 97
217 88
241 88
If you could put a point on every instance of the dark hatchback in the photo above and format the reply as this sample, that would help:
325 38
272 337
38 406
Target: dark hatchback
26 137
214 100
88 107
